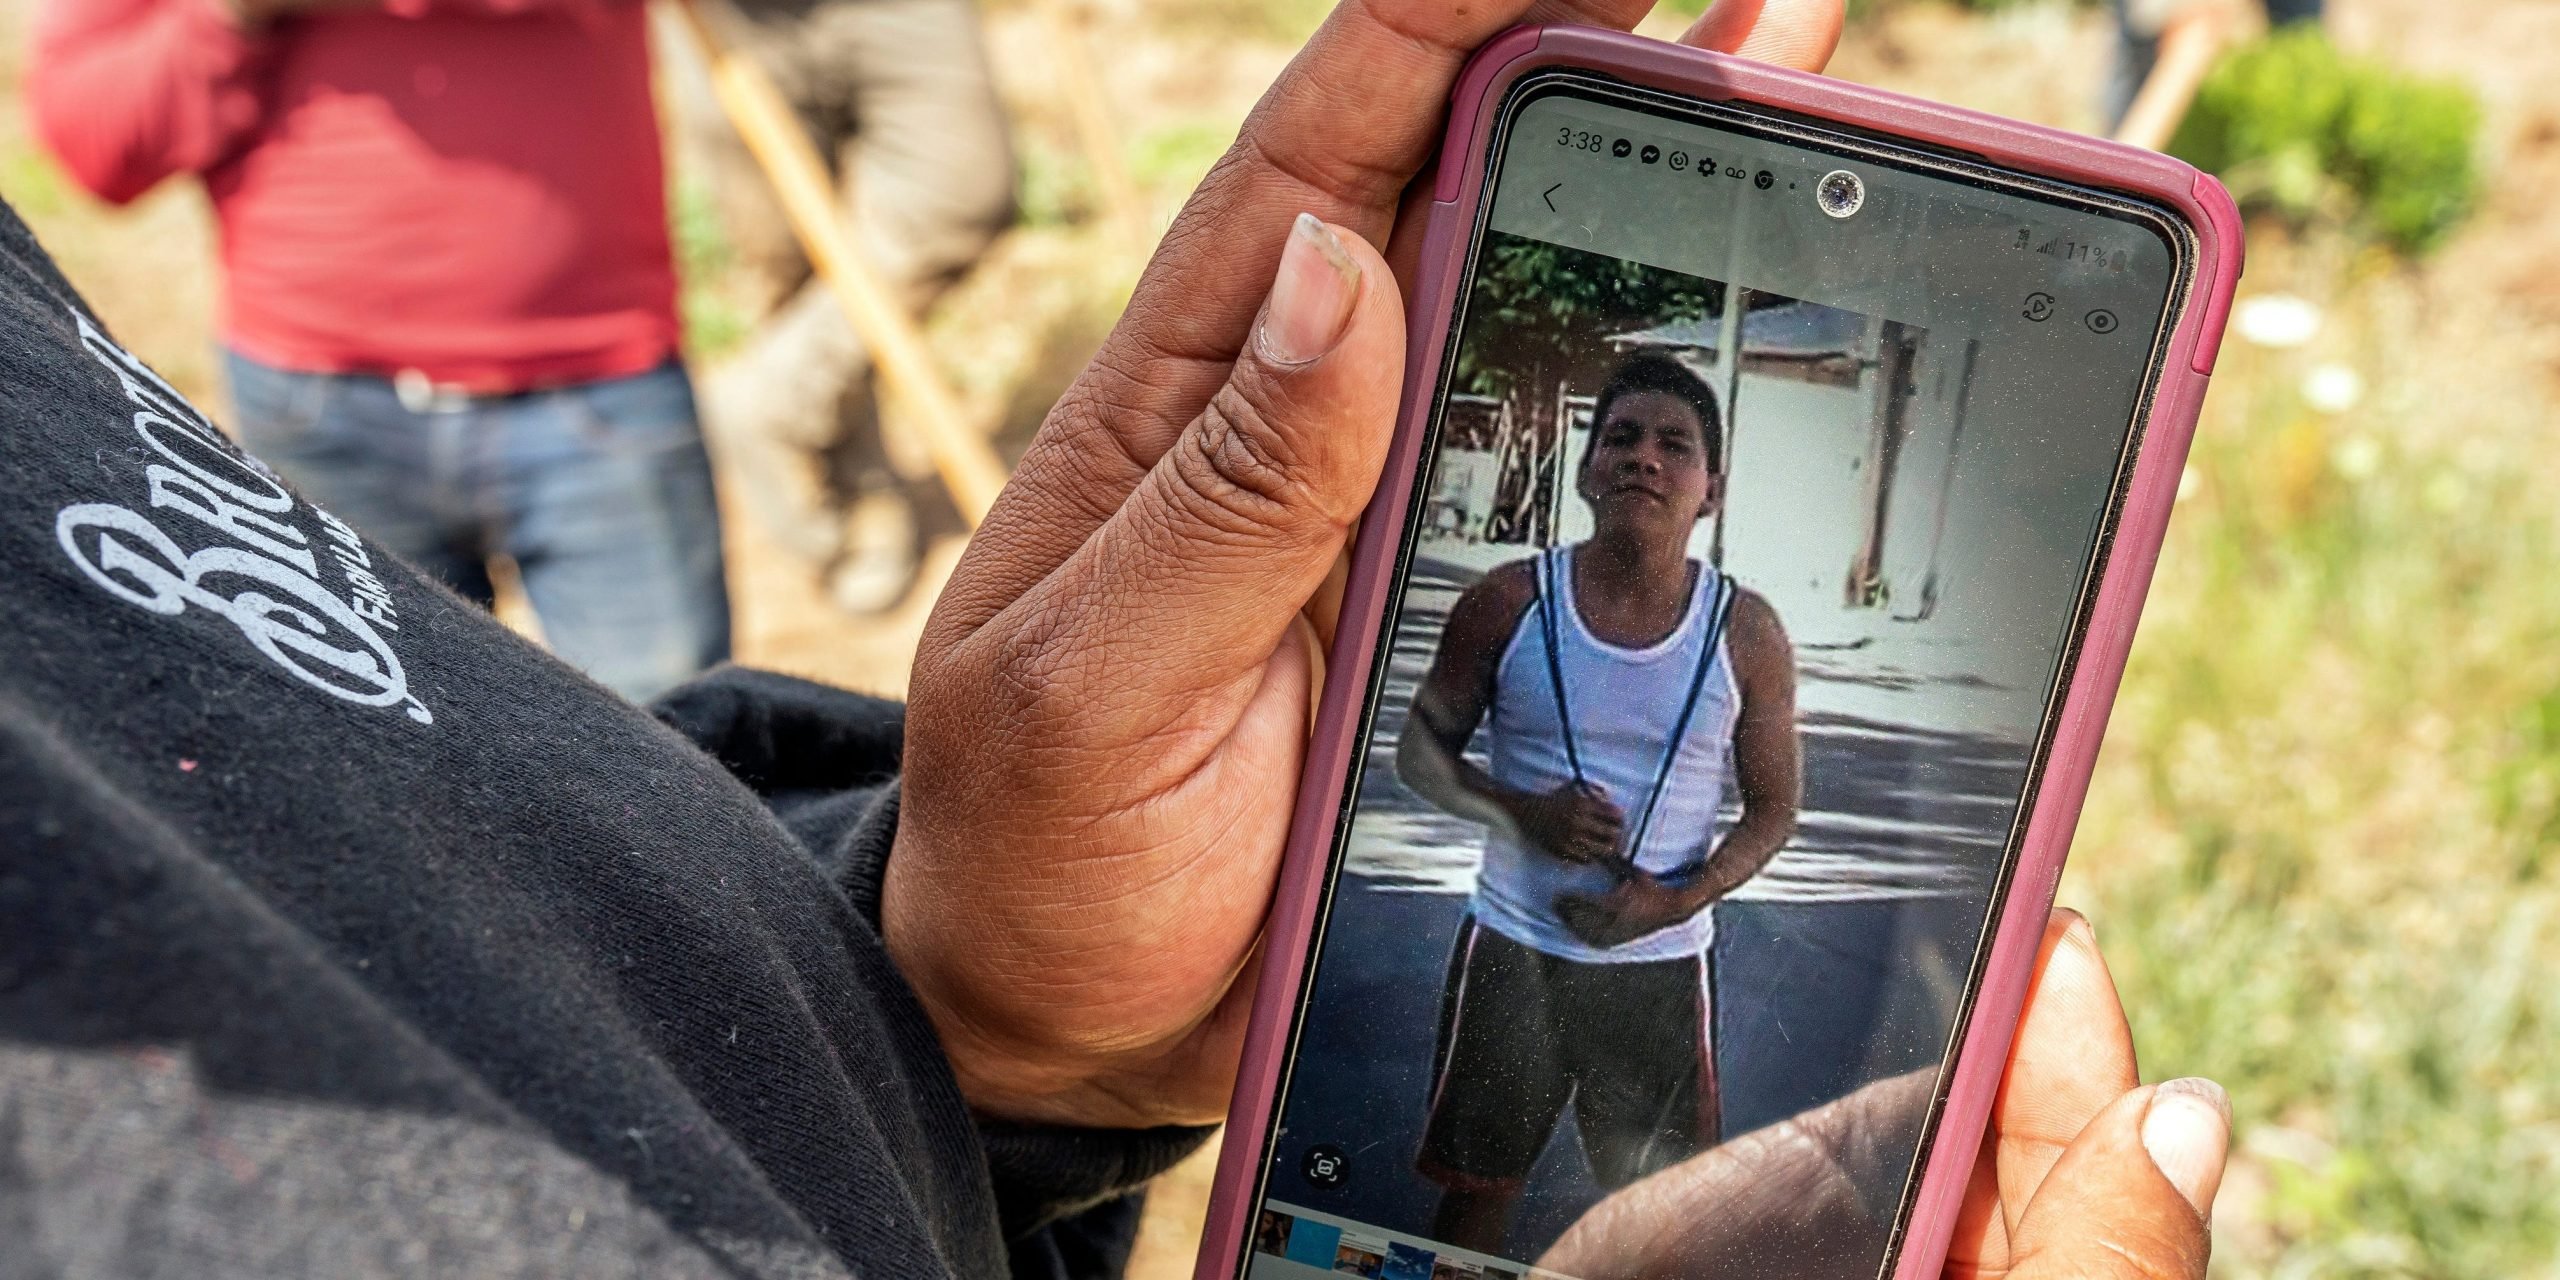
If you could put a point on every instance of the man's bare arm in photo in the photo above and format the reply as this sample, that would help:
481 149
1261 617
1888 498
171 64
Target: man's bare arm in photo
1570 822
1768 773
1768 753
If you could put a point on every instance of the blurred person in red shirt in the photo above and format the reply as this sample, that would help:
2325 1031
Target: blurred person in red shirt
449 309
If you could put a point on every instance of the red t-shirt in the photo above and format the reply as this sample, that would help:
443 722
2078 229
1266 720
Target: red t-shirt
468 188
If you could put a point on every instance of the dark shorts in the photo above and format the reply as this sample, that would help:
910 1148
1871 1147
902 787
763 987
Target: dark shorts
1523 1033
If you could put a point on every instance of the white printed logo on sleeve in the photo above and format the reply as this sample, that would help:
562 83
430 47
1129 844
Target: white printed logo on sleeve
265 575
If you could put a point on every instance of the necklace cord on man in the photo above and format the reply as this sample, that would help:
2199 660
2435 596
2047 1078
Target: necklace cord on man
1720 608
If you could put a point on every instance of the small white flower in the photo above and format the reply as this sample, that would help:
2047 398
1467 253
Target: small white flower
2277 319
2332 388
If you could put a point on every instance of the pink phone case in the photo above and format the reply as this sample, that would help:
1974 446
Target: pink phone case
2124 576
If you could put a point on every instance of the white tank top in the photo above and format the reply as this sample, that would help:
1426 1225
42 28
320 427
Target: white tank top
1623 706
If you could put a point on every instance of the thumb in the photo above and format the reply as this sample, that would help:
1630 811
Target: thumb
1791 33
2132 1197
1190 586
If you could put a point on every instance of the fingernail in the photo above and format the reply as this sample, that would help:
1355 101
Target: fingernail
1312 297
2074 921
2188 1133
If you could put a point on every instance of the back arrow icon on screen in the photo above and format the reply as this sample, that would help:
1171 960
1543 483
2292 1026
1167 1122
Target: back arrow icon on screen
1550 195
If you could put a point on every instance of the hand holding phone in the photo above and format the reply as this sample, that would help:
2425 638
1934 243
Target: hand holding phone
1109 704
1108 708
1911 385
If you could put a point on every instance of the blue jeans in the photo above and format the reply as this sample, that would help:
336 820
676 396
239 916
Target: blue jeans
600 493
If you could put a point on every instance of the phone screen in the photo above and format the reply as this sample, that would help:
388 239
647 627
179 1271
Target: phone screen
1756 524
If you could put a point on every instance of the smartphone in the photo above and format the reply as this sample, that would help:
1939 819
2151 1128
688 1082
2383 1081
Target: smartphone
1781 467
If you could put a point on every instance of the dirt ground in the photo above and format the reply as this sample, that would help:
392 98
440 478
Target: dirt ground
1181 74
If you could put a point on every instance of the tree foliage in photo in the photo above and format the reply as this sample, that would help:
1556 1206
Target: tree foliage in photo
1539 322
1544 313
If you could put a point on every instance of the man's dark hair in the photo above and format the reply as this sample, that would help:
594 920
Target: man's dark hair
1651 372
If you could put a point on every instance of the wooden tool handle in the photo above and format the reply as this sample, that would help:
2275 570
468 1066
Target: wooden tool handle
773 134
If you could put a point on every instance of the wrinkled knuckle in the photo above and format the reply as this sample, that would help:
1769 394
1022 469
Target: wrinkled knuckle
1078 424
1028 683
1239 472
1396 22
2144 1250
1338 173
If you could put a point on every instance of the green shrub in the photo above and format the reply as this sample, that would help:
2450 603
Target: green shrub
2413 144
2301 130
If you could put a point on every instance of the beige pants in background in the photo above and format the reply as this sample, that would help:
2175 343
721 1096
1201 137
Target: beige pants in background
899 97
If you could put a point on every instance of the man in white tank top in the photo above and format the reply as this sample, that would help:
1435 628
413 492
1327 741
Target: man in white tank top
1624 684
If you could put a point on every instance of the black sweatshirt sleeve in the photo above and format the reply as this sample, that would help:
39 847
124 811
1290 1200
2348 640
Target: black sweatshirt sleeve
323 896
827 761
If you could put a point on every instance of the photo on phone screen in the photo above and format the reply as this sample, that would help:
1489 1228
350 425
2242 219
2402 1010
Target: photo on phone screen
1750 548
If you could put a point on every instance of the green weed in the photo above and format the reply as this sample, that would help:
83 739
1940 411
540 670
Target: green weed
2318 848
1175 157
713 322
30 180
1054 188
